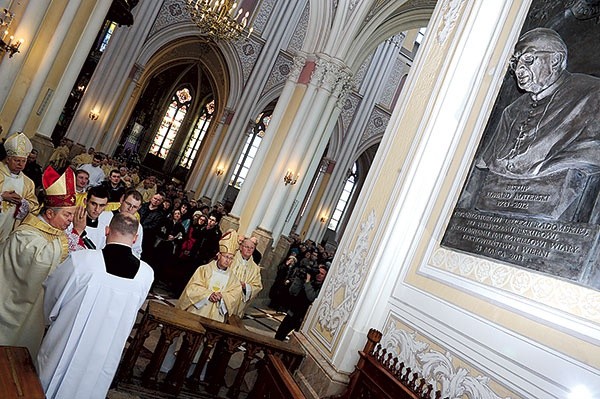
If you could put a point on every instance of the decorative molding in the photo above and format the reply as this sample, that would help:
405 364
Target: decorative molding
333 77
359 76
546 290
263 15
386 96
297 67
378 122
171 12
349 106
300 31
282 69
333 74
436 367
375 8
248 51
450 11
319 72
136 72
342 288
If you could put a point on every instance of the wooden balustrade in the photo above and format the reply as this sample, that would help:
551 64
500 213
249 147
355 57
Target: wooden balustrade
380 375
208 336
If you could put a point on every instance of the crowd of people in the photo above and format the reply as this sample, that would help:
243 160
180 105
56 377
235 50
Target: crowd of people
298 283
83 240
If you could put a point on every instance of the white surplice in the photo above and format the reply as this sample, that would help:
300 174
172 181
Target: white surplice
91 314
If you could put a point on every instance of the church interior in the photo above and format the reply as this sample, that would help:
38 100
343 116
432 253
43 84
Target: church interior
352 123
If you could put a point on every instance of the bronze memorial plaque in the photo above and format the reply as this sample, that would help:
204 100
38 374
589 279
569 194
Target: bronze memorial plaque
532 195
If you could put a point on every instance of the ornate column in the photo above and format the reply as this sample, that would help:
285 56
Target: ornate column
106 90
335 86
312 105
52 49
372 87
27 29
318 209
283 16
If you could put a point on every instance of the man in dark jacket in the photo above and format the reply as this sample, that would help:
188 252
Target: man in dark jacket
151 219
302 294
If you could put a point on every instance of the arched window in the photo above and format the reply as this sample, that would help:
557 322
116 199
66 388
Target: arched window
107 30
250 148
342 204
193 144
171 123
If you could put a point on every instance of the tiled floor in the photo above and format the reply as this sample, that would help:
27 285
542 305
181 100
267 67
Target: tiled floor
260 320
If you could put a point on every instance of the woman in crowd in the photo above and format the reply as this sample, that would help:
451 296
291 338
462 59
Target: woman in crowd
168 242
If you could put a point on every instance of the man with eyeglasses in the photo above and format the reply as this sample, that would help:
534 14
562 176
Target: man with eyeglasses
553 126
17 191
247 271
130 203
214 291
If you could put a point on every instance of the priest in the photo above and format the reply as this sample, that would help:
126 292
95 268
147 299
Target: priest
17 191
95 295
29 254
214 291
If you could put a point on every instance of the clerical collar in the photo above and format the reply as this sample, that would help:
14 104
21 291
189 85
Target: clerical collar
90 222
548 91
118 243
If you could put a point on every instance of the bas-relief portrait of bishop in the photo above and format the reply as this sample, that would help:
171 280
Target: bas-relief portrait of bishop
532 195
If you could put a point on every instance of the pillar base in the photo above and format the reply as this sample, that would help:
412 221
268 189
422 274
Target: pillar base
44 146
268 265
316 377
229 222
204 200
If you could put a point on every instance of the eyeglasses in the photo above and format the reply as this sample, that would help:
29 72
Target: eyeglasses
526 59
130 205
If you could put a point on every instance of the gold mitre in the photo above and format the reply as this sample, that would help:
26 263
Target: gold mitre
229 242
18 145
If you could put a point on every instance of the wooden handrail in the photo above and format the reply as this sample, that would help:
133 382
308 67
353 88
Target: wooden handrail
275 382
222 340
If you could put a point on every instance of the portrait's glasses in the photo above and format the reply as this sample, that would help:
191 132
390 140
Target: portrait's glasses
526 59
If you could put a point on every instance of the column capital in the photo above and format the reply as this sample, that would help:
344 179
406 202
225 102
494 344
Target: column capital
136 72
297 67
331 74
327 165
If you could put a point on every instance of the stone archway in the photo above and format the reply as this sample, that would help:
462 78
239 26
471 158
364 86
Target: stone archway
190 63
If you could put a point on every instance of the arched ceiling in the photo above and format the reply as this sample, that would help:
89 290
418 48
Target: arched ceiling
354 29
192 49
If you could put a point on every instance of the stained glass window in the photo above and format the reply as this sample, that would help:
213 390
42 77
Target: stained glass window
193 144
250 149
110 28
171 122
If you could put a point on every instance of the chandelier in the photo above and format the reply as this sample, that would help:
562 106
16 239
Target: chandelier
8 44
220 20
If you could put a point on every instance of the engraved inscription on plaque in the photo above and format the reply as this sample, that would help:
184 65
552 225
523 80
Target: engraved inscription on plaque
559 248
